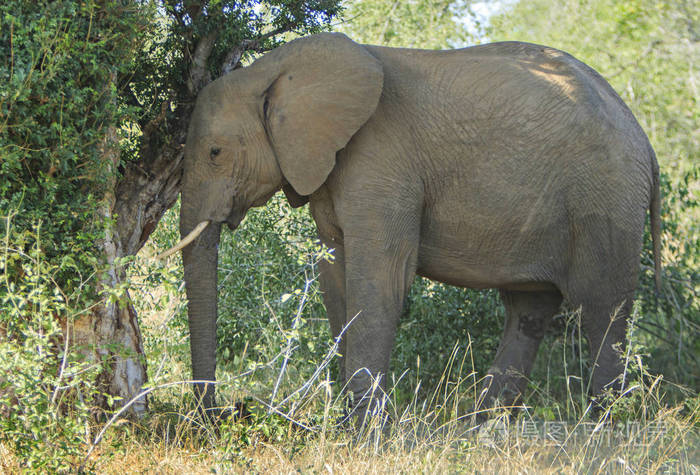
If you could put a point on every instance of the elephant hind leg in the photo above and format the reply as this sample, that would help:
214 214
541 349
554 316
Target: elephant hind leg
601 282
604 315
527 316
605 326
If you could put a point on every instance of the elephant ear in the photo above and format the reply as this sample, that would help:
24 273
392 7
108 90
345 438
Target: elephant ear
295 199
325 88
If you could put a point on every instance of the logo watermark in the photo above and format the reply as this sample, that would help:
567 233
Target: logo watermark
560 433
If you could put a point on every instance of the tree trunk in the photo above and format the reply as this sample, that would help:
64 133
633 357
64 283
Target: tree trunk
112 330
135 201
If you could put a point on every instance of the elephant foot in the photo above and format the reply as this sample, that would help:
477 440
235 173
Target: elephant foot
480 415
367 412
500 394
601 404
365 418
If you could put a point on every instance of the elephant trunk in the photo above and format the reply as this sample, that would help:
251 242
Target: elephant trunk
200 263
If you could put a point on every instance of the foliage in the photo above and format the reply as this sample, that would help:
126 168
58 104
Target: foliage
57 98
429 24
262 289
47 386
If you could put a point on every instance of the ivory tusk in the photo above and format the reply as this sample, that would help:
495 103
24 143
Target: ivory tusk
185 241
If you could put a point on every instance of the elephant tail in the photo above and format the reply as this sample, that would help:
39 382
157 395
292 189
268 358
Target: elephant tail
655 220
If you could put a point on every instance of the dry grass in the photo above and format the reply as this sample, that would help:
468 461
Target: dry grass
425 437
673 450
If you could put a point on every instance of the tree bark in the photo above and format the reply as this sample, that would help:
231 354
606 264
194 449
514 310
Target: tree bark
112 328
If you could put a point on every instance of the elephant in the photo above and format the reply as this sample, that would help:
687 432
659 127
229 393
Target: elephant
509 165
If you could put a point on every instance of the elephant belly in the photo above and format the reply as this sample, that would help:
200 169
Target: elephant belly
524 261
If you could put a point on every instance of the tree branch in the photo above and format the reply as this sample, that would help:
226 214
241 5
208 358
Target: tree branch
199 74
154 123
233 58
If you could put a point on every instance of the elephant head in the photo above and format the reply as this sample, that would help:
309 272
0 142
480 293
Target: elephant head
277 123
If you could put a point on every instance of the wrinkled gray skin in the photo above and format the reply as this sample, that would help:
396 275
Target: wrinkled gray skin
509 166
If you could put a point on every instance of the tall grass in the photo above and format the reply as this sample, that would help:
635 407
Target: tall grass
433 435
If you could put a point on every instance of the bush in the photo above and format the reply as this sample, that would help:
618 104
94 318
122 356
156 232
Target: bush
47 386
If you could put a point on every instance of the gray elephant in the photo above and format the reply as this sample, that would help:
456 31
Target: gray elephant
510 165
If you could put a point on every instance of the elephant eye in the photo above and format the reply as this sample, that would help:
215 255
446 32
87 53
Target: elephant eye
214 152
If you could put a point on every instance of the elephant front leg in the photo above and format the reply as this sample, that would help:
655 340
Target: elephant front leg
332 281
378 275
